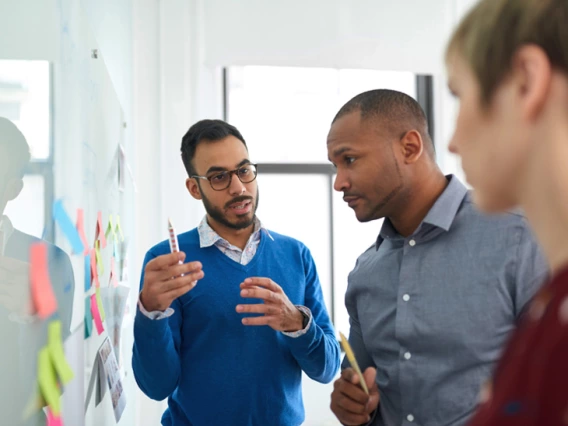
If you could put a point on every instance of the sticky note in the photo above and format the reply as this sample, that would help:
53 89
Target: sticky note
55 345
66 225
110 231
94 272
96 314
87 272
113 276
43 297
81 229
100 303
99 232
118 230
88 317
53 420
48 381
99 257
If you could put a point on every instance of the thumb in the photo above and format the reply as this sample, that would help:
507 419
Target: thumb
370 376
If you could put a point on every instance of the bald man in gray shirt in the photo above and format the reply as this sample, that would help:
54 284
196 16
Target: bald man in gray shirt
434 299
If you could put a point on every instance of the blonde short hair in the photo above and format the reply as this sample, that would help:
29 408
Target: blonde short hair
491 33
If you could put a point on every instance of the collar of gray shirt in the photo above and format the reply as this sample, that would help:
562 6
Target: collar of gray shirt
441 215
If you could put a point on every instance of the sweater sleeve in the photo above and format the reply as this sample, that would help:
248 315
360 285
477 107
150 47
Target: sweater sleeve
155 358
316 351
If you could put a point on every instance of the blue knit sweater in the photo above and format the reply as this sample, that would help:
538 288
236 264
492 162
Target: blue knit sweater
212 368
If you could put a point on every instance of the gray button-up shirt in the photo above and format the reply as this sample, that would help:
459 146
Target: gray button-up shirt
433 311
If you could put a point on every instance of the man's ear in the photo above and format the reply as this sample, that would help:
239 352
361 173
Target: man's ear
13 188
193 188
412 146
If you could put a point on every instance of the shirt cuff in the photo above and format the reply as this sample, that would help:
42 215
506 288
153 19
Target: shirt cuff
155 315
308 313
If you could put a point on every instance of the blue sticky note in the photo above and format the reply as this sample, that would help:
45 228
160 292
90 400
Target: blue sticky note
88 317
87 272
67 226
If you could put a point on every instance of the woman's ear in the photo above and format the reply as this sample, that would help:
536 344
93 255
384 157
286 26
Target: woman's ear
13 188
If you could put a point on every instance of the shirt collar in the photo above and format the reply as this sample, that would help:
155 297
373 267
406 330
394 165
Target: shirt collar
442 213
208 237
7 229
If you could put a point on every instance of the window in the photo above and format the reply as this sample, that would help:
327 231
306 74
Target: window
25 99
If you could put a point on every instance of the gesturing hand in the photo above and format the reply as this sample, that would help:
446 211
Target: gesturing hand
165 280
278 312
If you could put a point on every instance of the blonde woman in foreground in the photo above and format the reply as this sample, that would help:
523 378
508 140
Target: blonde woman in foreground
508 65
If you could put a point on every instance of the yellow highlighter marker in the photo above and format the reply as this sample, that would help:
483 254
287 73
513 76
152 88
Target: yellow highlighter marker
351 357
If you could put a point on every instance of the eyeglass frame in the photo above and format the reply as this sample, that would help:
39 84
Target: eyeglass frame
230 173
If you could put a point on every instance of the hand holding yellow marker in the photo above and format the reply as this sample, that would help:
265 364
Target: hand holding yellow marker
351 357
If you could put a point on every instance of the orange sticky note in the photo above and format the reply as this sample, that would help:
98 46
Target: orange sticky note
100 232
94 272
43 297
96 314
113 277
53 420
81 229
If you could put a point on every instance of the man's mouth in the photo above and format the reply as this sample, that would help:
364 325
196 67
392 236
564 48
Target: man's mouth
351 200
241 207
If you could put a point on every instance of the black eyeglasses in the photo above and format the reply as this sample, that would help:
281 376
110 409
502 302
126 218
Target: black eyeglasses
222 180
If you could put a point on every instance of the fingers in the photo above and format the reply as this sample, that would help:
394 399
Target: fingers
370 374
349 402
349 384
176 270
259 293
181 281
263 320
258 309
164 261
180 291
267 283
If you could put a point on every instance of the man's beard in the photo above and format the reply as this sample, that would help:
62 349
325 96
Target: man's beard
218 214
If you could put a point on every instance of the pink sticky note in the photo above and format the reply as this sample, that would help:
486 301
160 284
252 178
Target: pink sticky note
53 420
43 297
113 276
100 232
81 229
96 314
94 271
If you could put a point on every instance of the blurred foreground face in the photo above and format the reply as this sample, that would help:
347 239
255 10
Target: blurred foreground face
493 141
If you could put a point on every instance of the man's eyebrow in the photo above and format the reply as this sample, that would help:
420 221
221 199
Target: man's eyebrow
214 169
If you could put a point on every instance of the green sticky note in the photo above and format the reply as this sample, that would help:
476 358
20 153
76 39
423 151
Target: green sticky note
57 353
48 381
110 231
88 317
100 304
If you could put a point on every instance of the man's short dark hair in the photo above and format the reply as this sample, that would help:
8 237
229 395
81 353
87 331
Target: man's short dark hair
205 131
395 110
14 147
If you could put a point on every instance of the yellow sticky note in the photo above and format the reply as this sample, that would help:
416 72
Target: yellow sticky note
99 257
100 304
48 381
118 229
55 346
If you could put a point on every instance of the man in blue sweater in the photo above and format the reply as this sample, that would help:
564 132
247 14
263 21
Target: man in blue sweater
225 336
